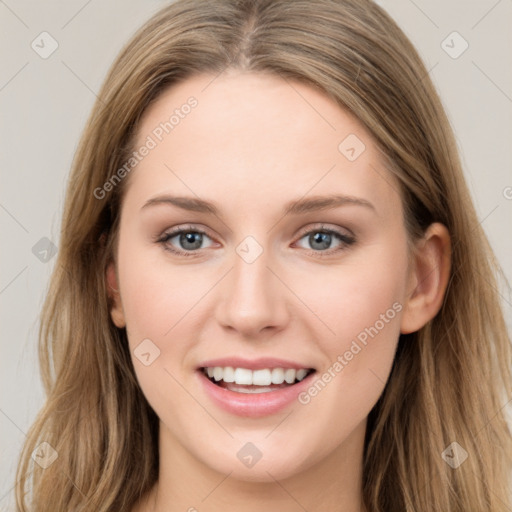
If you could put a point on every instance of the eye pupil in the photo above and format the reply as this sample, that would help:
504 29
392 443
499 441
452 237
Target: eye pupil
323 239
195 239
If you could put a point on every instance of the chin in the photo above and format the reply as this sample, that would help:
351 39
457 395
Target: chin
273 465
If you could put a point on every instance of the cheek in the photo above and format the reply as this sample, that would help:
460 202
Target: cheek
160 302
154 299
361 311
154 294
358 295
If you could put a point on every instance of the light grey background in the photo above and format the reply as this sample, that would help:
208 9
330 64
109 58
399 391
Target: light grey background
45 103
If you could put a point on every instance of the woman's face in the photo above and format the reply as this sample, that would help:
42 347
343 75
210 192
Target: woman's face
260 235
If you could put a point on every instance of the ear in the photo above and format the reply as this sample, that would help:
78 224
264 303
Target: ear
116 307
428 278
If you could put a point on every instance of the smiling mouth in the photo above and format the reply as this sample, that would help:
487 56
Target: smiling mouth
243 380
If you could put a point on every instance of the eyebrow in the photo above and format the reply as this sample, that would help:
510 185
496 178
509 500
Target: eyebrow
303 205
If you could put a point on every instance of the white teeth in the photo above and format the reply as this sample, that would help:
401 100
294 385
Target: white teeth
277 376
301 374
218 373
263 377
243 376
289 375
229 374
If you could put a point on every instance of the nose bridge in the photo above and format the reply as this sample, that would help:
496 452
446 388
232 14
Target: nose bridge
252 301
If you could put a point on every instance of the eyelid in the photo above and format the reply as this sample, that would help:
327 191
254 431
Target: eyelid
325 227
176 230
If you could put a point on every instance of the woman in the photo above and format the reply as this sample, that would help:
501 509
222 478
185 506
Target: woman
272 288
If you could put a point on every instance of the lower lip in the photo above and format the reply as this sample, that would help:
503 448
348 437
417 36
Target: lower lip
253 405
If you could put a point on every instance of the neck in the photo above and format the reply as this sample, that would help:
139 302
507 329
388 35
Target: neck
186 484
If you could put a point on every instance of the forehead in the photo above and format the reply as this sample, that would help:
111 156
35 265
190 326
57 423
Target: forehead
259 137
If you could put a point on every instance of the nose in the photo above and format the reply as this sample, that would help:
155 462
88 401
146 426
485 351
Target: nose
253 301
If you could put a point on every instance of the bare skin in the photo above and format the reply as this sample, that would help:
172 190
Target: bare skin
252 145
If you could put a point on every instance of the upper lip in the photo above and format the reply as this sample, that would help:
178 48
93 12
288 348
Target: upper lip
253 364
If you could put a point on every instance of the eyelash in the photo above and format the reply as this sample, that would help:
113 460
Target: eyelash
346 240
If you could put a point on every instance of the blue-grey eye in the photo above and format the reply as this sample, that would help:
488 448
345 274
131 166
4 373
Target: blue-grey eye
322 240
185 240
189 240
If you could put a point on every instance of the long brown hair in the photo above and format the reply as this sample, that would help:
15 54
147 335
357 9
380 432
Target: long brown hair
449 379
